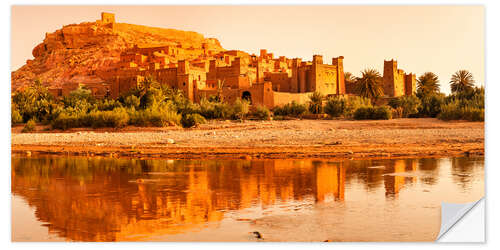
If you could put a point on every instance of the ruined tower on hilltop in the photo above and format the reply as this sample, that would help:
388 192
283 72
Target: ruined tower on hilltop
107 18
396 82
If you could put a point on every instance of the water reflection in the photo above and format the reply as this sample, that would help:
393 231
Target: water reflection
85 199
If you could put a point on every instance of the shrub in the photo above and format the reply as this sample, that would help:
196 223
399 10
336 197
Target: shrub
382 113
335 106
240 109
116 118
148 99
64 121
450 111
405 105
316 103
279 118
185 108
373 113
363 113
355 102
29 127
454 111
108 104
160 117
261 113
430 105
79 101
290 109
191 120
34 102
215 110
15 117
132 101
473 114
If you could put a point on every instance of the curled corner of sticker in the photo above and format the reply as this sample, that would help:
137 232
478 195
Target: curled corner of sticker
451 213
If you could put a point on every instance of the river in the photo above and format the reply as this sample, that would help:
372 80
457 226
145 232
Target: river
108 199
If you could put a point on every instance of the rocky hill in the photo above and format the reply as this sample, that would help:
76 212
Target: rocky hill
75 52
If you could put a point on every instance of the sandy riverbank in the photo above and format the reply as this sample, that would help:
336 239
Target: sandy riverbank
266 139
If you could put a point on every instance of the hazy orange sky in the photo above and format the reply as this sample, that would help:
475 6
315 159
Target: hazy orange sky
441 39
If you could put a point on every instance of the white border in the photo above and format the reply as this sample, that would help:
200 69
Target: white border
492 80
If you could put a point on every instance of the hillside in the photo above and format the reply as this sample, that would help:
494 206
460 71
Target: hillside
75 52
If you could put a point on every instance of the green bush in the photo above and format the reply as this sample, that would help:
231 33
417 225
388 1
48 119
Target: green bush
363 113
64 121
450 111
355 102
261 113
430 105
15 117
132 101
240 109
185 108
467 105
474 95
335 106
191 120
406 105
107 104
382 113
79 101
160 117
29 127
34 102
454 111
116 118
373 113
215 110
316 103
345 106
290 109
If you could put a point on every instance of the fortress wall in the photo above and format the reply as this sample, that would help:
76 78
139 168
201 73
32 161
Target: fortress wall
204 93
167 76
262 94
280 80
282 98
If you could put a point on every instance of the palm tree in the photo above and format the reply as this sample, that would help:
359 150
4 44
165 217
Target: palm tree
350 82
427 83
369 85
145 85
349 78
461 81
316 102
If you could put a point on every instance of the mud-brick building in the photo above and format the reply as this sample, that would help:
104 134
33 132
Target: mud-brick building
199 67
396 82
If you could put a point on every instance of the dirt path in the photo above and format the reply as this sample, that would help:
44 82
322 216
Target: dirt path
266 139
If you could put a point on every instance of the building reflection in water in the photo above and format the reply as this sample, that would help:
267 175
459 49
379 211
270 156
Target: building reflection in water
117 199
394 179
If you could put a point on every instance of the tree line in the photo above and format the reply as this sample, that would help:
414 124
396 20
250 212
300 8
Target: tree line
153 104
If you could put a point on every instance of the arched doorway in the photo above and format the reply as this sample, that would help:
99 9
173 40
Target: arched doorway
246 96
